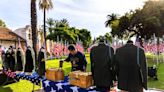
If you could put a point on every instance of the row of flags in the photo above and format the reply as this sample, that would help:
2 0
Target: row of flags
148 47
60 49
153 48
115 46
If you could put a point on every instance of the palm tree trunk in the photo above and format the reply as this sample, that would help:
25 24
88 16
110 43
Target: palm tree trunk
44 16
34 26
158 43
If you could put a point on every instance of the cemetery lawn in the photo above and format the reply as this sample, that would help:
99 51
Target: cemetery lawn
26 86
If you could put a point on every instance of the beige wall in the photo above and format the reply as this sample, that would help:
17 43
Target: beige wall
6 44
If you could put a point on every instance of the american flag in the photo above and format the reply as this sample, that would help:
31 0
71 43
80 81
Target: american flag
64 86
56 49
34 77
10 74
60 48
79 47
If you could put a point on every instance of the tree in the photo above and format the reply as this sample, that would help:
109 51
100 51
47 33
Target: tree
85 36
62 30
50 24
64 23
2 24
45 5
145 22
110 19
107 37
142 22
34 26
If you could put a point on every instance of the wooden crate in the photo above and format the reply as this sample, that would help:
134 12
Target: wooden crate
55 74
81 79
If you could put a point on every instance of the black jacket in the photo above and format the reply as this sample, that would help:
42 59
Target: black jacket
101 65
128 72
41 64
29 64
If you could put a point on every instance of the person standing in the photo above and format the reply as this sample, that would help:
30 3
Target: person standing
3 59
29 63
41 62
20 60
130 63
101 65
77 59
1 62
7 59
12 59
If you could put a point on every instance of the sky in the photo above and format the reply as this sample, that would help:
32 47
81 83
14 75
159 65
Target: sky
89 14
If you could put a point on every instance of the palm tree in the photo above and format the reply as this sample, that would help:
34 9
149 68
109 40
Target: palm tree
64 22
108 37
45 5
110 18
50 23
34 26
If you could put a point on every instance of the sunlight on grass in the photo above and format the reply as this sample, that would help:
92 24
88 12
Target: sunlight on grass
21 86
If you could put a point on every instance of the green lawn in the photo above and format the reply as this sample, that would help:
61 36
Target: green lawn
160 83
26 86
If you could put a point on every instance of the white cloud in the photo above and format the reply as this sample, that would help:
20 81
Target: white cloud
92 13
89 14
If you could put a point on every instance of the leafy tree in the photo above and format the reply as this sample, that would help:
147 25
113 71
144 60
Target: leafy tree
2 24
62 30
85 36
50 23
107 37
142 23
64 23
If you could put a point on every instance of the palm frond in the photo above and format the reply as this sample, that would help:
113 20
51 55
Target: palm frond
45 4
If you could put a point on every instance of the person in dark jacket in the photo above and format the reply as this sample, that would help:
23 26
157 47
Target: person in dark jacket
131 69
7 58
12 58
101 57
29 63
3 59
77 59
20 60
41 62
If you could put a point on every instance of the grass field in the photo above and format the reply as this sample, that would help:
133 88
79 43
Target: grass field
26 86
160 83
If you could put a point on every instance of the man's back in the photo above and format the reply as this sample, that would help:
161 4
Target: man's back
129 77
101 65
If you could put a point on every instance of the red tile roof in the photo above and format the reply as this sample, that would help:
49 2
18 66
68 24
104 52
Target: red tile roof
7 34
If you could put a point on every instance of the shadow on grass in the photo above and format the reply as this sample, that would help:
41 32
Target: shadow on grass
5 89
